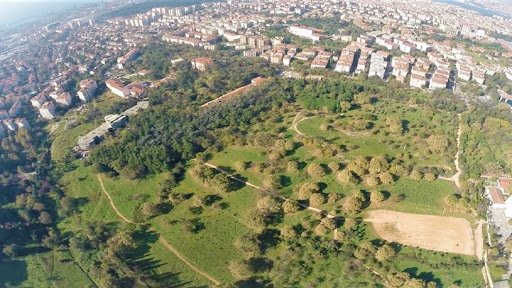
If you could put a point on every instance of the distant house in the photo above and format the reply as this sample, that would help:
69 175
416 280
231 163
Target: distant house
87 89
117 87
47 110
201 63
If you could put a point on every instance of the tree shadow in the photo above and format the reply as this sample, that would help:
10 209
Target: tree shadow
269 238
285 180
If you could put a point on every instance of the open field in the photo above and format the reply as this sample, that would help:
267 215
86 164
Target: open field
445 234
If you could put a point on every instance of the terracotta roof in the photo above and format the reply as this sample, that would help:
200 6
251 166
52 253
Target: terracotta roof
505 183
496 195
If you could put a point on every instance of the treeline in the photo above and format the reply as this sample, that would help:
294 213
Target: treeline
177 129
174 132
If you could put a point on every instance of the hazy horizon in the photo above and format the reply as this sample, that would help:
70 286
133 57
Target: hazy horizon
17 12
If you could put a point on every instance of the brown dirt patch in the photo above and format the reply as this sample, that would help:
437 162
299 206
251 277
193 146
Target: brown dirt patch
438 233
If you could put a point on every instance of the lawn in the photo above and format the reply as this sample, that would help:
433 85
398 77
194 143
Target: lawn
128 194
82 184
232 154
211 248
53 268
420 197
67 139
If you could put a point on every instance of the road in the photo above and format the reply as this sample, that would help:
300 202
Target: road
162 240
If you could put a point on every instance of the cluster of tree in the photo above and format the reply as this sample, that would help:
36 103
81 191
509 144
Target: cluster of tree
373 170
173 132
486 134
214 179
113 256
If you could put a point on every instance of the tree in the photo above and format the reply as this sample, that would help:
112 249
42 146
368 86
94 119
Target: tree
249 244
269 204
288 232
120 243
359 166
354 203
257 219
346 176
330 223
416 174
386 178
438 143
292 166
67 205
345 106
290 206
378 164
10 250
272 182
334 166
372 181
150 209
321 230
398 279
316 170
395 125
430 176
307 189
241 165
316 199
384 253
45 218
376 196
240 269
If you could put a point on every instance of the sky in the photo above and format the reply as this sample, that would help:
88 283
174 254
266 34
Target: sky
19 11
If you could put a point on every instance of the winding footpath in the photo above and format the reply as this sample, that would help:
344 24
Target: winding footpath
311 208
162 240
296 122
456 177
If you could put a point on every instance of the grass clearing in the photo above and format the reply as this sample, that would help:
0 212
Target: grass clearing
211 249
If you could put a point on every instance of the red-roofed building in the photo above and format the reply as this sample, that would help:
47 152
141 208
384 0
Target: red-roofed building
201 63
495 196
505 183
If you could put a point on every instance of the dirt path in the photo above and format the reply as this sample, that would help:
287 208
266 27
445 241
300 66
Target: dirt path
479 240
456 177
296 122
184 259
269 192
162 240
112 202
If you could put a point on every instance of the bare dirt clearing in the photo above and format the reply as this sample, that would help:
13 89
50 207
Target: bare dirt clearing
438 233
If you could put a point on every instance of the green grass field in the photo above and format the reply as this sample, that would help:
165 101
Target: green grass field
50 269
211 248
82 184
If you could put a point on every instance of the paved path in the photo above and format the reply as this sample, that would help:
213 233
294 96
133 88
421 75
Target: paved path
162 240
269 192
456 177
